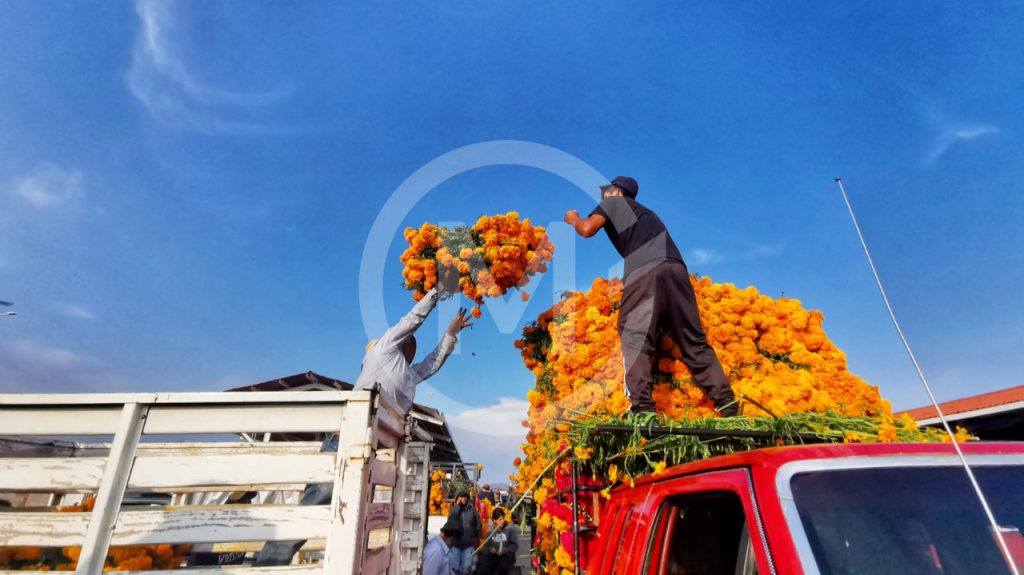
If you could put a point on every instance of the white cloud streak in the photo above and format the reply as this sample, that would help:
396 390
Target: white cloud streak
49 186
29 366
75 311
701 256
951 136
162 81
707 256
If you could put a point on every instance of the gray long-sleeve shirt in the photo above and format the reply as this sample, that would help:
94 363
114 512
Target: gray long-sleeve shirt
385 364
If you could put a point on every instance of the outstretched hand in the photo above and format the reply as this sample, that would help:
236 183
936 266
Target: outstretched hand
460 322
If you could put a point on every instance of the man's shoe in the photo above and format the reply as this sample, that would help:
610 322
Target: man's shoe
731 410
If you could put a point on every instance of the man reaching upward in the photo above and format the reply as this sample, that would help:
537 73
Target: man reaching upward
389 360
657 297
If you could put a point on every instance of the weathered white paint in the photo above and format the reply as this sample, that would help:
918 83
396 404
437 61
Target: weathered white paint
171 472
111 490
76 474
371 432
83 474
194 525
68 420
119 399
346 539
179 419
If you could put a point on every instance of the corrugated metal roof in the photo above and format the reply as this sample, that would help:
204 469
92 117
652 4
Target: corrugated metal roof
985 401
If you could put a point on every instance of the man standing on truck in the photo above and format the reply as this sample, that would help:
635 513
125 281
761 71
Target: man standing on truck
464 514
657 297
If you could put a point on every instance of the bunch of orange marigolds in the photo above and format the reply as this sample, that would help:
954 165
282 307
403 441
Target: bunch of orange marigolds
772 350
496 254
439 503
125 558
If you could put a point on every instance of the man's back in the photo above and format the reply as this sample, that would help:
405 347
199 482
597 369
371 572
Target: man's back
637 233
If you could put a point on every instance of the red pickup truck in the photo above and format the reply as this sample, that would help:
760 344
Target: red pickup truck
878 509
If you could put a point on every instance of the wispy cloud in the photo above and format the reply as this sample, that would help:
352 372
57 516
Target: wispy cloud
171 92
48 186
75 311
700 256
491 435
29 366
502 418
953 135
708 256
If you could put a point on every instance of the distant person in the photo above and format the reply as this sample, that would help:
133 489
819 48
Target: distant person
388 360
486 493
437 553
465 514
498 556
657 297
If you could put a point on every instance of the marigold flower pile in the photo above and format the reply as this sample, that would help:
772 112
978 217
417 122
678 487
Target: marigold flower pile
496 254
126 558
773 350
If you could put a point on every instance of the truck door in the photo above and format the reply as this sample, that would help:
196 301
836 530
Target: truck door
705 524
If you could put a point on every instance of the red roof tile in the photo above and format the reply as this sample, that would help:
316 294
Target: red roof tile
973 403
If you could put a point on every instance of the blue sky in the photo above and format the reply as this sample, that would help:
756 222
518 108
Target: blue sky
186 189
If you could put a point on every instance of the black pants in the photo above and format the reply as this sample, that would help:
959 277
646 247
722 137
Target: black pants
659 298
488 564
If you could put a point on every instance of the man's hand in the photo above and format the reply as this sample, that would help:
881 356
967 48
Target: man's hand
571 217
459 323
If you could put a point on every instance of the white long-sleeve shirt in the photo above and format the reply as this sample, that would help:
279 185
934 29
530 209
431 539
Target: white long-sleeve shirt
385 364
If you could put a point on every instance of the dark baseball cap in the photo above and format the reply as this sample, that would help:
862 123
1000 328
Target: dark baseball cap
627 184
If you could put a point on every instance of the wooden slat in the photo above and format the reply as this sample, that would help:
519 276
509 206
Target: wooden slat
118 399
345 545
193 525
59 421
228 448
247 570
383 473
376 562
254 546
259 469
379 515
111 489
57 474
310 418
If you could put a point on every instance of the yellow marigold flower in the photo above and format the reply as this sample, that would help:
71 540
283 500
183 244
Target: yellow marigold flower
563 559
659 467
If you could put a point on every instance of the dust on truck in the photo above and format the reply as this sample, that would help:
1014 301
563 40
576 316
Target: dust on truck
878 509
186 446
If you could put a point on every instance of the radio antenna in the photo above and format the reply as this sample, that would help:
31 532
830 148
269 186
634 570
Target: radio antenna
931 396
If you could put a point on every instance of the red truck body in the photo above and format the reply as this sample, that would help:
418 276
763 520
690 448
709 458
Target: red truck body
775 510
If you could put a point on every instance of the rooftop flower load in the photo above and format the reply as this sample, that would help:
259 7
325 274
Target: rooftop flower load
789 378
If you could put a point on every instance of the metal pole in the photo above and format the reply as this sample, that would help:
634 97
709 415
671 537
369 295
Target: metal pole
931 396
575 521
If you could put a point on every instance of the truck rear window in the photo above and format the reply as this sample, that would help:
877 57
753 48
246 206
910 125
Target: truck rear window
907 520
